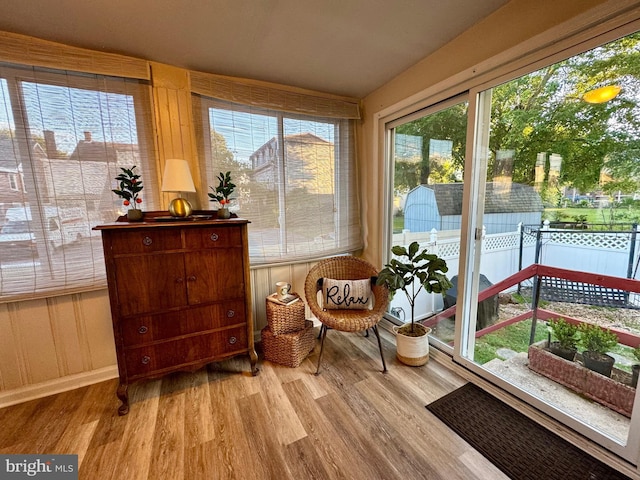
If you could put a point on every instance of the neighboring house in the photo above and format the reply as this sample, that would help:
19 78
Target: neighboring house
125 154
12 186
97 163
56 175
309 163
439 206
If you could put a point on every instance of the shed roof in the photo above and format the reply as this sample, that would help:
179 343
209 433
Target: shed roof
499 198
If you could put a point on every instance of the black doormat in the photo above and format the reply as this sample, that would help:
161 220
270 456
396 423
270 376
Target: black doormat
514 443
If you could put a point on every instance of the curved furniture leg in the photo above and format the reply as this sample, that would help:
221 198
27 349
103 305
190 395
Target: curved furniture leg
384 365
123 395
253 358
323 333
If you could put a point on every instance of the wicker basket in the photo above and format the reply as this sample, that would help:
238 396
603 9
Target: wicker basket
285 318
288 349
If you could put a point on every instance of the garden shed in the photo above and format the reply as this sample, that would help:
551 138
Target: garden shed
439 206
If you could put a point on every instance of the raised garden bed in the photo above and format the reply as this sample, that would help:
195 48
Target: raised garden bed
614 393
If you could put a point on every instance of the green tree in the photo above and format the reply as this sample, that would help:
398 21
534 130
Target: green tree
224 160
448 124
544 112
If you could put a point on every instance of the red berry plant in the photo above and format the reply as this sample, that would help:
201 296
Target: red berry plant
223 191
130 186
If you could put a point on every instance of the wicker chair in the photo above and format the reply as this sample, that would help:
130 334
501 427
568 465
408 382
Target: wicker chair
345 268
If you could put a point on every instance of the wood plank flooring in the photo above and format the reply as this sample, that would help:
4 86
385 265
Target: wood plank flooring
350 422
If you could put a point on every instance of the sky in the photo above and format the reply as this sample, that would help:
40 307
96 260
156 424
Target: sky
70 112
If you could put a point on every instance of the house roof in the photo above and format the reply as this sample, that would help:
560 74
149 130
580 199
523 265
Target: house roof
10 160
499 198
103 151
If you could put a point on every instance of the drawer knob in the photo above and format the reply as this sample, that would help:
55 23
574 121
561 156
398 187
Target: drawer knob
231 313
143 330
146 359
179 280
214 237
146 241
232 340
191 278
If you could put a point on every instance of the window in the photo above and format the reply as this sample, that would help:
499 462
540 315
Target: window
13 181
63 138
295 177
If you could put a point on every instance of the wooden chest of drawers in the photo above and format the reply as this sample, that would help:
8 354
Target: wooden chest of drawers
180 295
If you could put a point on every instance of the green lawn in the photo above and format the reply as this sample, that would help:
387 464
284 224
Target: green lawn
593 216
620 214
514 337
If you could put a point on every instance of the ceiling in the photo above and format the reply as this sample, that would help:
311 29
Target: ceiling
345 47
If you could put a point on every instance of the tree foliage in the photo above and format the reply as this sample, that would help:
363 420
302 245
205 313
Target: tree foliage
543 112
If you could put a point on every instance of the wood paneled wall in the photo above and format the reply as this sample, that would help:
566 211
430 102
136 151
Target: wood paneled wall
60 343
63 342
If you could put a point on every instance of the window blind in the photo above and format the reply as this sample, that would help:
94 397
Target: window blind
22 49
63 138
266 95
295 177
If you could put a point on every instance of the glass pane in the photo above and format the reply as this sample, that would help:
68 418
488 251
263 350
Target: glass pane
63 139
428 166
560 233
294 180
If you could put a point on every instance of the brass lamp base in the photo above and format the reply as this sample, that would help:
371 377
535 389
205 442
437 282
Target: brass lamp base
180 207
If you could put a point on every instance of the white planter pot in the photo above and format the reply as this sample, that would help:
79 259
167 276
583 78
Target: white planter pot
412 351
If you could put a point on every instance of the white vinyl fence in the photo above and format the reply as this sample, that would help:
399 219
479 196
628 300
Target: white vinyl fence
595 252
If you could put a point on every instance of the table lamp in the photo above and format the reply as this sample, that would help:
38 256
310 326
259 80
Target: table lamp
177 178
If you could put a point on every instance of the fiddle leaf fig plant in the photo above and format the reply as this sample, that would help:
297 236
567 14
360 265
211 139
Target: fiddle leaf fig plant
412 271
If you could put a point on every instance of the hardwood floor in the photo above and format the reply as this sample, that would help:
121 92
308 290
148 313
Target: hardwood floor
350 422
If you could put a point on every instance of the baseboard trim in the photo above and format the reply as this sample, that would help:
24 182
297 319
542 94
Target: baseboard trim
58 385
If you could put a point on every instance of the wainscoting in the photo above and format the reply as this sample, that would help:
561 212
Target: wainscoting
64 342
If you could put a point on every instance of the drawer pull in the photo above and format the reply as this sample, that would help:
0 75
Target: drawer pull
146 241
179 280
191 278
146 359
214 237
231 313
232 340
142 330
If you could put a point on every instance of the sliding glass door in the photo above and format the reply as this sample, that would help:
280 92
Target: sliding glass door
532 196
428 170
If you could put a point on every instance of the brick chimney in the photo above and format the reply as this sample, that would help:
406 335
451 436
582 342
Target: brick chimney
87 137
50 144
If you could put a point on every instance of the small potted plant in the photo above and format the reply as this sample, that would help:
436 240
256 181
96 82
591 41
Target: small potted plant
566 338
222 194
635 369
597 342
411 273
130 186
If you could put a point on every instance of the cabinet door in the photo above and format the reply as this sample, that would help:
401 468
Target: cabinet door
148 283
214 274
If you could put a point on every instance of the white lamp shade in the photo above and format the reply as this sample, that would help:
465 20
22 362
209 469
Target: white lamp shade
177 176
